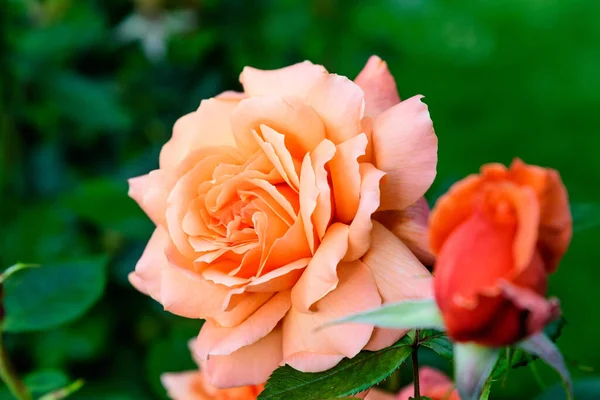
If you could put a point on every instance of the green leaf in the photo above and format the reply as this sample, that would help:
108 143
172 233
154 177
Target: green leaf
440 344
64 392
349 377
45 297
585 216
104 202
43 381
406 315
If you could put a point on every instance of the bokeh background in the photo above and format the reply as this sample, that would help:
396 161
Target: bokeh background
90 90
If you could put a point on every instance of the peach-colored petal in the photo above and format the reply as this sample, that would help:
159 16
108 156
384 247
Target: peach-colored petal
377 394
231 95
147 275
405 147
340 104
398 273
410 226
292 246
299 123
182 385
379 86
308 201
151 191
323 212
355 292
186 294
282 278
285 167
359 235
217 340
320 276
345 177
250 365
384 337
206 127
295 80
308 361
186 190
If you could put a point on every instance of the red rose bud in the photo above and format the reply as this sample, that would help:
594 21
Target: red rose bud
497 236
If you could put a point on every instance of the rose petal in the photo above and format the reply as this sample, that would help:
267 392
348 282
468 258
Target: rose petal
340 104
323 212
356 292
250 365
398 273
345 177
405 147
208 126
359 235
147 275
217 340
379 86
556 227
188 295
183 385
295 80
298 123
410 225
384 337
320 276
307 361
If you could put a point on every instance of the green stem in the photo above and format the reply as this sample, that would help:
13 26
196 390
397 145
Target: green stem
9 375
415 366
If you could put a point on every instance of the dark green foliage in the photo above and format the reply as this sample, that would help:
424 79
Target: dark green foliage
52 294
349 377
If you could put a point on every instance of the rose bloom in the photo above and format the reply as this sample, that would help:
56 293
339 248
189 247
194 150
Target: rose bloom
432 384
194 385
498 235
285 207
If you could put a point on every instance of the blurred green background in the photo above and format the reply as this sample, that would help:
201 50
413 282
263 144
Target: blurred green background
90 90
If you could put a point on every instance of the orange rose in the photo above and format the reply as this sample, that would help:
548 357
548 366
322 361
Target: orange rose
194 385
498 235
432 383
265 203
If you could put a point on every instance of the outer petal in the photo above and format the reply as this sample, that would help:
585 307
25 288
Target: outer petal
151 191
405 146
451 210
320 276
208 126
217 340
250 365
182 385
379 86
147 275
556 226
295 80
376 394
410 226
384 337
340 104
186 294
356 292
397 272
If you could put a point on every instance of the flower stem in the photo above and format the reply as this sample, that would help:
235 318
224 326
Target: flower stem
9 375
415 366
